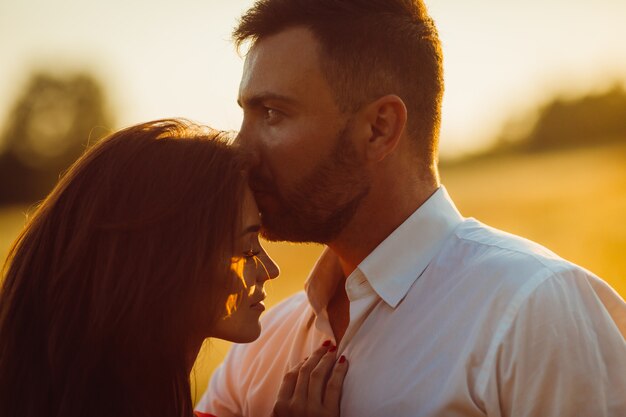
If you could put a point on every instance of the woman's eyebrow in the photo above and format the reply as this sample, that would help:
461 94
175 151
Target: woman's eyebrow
252 229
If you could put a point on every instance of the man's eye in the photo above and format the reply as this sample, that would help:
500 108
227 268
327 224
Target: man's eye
272 115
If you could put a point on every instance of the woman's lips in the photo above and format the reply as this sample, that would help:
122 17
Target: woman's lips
258 306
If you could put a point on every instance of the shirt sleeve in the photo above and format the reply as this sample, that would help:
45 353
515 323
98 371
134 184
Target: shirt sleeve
564 353
222 396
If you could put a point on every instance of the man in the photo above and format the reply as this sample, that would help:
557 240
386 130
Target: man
439 315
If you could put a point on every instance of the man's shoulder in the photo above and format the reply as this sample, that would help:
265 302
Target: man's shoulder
490 246
504 266
506 277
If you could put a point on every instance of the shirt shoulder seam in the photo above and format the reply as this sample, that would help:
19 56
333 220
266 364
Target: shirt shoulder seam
563 264
521 296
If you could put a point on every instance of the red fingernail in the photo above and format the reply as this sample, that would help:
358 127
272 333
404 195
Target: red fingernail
326 343
342 359
332 349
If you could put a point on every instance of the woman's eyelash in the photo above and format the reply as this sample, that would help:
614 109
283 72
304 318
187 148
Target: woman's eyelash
251 253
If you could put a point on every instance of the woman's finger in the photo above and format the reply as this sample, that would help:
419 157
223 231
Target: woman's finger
301 390
289 383
332 396
319 376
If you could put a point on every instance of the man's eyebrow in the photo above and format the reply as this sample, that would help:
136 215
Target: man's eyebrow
251 229
257 99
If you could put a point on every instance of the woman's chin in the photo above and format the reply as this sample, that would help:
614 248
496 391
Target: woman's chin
248 336
241 335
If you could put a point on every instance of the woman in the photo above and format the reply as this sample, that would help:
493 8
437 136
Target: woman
147 246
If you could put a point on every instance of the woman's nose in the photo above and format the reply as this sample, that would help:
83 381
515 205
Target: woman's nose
268 269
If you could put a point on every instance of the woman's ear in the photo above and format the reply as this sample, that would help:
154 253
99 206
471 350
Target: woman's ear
387 118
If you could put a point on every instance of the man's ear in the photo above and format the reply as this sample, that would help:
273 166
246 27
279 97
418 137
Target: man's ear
386 118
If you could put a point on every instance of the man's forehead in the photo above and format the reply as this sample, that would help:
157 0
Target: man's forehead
293 48
298 40
287 59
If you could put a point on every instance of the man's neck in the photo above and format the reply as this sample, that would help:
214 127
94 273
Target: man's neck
379 215
375 220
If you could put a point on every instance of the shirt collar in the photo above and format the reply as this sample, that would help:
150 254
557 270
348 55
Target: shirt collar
411 247
323 279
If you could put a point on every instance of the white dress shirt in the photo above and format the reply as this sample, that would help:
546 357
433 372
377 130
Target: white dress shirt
448 317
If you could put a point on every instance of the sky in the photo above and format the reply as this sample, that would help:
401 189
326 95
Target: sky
166 59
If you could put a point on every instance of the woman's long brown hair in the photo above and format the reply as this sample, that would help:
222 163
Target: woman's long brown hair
121 270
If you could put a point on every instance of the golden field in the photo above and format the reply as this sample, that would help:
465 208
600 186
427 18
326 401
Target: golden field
573 202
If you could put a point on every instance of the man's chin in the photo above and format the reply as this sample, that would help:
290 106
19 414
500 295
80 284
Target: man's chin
284 227
280 223
266 202
277 226
272 217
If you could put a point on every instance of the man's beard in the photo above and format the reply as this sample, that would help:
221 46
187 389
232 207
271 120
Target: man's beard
320 205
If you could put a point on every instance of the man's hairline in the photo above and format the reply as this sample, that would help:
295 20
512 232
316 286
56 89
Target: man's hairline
345 107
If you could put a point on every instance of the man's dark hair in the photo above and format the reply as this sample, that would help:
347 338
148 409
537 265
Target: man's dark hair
369 48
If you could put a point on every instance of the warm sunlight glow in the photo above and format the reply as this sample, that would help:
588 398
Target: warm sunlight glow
501 58
512 69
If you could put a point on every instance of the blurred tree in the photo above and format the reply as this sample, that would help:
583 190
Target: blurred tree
585 121
50 125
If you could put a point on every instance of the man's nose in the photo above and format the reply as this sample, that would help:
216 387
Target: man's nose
246 137
248 145
240 139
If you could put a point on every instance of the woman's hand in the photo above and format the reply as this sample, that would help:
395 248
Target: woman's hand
313 387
